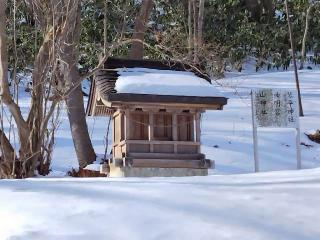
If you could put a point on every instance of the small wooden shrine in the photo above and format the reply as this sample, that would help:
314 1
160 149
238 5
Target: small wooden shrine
156 110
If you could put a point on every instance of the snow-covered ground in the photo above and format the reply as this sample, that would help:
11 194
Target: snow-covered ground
282 205
231 203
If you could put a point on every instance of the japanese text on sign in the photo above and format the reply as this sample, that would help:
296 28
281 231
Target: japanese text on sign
275 108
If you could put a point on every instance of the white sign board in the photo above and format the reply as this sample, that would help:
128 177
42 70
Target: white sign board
273 108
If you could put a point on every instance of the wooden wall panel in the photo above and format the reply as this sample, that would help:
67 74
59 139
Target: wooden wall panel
163 127
185 127
139 124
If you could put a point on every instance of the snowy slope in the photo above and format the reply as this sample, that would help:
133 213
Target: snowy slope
278 205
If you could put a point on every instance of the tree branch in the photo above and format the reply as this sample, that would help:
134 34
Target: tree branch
6 147
5 95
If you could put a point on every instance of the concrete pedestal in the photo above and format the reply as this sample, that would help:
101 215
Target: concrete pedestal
155 172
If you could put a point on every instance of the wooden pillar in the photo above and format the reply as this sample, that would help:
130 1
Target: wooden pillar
151 130
113 137
121 127
127 124
127 128
175 131
197 129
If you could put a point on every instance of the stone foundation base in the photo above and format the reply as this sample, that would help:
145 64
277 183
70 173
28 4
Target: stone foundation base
155 172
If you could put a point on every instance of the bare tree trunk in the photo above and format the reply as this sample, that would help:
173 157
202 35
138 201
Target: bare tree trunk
68 51
190 35
294 58
36 115
3 50
136 51
305 36
4 85
195 31
78 124
200 23
8 157
6 149
105 27
195 28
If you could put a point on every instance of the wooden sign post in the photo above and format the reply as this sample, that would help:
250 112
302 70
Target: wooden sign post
275 108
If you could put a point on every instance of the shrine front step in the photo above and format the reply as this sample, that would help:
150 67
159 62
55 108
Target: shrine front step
168 163
176 156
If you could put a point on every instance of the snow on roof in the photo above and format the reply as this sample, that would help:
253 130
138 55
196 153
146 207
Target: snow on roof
163 82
